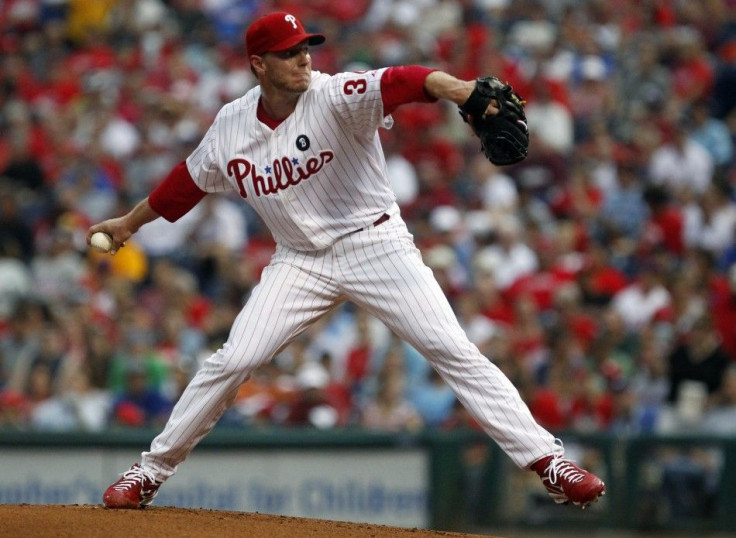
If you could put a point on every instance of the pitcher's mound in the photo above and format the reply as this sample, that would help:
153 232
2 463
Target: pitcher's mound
89 521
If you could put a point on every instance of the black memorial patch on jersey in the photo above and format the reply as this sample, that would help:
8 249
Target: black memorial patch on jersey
302 142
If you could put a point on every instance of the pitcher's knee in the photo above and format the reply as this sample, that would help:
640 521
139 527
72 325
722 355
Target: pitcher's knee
449 348
224 362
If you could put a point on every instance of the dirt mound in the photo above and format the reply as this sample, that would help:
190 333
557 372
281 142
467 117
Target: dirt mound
95 521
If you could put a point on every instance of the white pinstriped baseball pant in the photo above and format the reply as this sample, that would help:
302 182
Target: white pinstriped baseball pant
381 270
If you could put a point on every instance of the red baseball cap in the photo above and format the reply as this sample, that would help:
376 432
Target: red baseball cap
277 31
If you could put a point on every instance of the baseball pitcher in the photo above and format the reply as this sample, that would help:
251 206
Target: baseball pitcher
303 150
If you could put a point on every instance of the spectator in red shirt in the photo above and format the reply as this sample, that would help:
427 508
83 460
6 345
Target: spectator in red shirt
599 280
359 356
719 291
579 198
490 300
573 317
724 312
665 225
693 73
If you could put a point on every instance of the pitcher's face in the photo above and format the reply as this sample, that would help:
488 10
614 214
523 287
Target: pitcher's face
289 70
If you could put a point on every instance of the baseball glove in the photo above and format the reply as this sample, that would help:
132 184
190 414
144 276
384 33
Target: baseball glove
504 137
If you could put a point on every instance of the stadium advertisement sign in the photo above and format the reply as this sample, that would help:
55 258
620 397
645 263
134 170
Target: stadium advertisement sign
371 486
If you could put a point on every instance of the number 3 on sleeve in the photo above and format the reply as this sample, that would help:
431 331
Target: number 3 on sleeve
356 85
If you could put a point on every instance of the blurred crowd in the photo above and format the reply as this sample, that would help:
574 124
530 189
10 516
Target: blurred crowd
599 274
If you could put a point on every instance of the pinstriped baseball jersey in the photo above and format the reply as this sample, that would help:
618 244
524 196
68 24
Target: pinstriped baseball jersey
317 176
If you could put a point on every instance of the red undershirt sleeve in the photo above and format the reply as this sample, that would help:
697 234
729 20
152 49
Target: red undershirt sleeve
404 84
176 195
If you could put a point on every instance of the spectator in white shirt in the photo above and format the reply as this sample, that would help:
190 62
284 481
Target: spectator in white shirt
640 302
509 258
710 223
549 120
683 164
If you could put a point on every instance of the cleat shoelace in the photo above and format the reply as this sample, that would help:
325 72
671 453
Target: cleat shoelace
561 468
132 477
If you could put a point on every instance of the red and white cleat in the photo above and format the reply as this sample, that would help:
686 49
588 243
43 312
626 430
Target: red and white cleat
566 482
135 488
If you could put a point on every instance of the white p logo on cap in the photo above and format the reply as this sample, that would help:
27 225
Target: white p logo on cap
292 20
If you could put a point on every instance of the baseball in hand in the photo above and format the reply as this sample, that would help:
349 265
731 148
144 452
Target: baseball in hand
101 241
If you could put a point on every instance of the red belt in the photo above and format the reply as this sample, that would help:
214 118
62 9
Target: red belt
380 220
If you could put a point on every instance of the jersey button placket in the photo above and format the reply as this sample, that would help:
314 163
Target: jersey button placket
285 196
